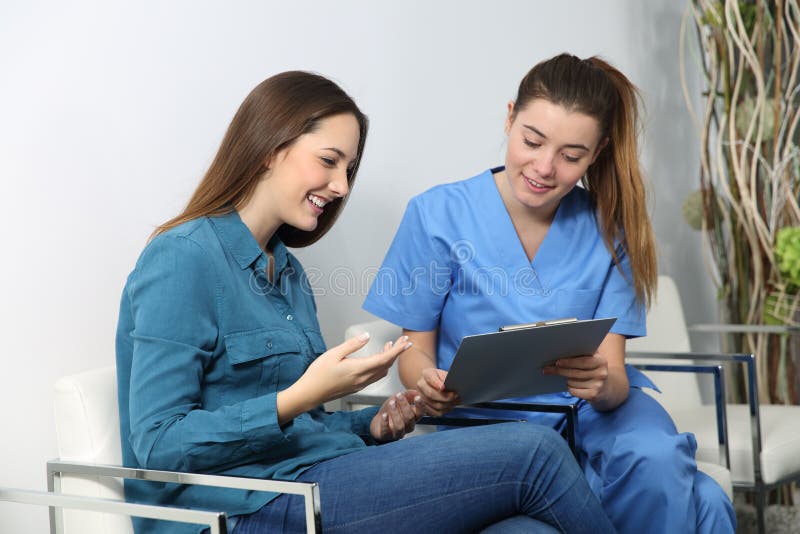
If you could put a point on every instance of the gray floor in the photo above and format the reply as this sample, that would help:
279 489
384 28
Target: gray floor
780 519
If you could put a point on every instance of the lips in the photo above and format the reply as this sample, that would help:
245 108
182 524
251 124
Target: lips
317 201
537 186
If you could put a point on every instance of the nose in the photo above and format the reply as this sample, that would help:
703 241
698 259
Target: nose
543 165
338 184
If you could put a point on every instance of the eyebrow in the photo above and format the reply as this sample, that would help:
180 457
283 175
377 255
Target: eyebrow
543 136
337 151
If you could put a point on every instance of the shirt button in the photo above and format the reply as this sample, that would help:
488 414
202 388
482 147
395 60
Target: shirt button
269 344
289 317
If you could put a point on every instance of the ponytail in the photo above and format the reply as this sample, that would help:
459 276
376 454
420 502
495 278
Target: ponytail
616 183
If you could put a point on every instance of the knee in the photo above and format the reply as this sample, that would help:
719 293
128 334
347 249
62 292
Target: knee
714 508
652 460
523 439
527 434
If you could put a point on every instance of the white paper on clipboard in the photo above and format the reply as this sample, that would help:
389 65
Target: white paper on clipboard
506 364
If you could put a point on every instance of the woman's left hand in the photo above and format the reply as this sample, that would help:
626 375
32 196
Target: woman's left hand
397 417
586 375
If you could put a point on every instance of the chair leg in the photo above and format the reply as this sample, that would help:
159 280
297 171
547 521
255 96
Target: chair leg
761 505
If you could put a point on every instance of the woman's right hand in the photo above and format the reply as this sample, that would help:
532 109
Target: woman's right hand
438 401
333 375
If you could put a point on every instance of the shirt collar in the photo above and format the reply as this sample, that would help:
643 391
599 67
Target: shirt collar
236 237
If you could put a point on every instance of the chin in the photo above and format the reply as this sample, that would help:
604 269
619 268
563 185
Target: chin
308 227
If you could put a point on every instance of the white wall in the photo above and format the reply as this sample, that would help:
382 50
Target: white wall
110 112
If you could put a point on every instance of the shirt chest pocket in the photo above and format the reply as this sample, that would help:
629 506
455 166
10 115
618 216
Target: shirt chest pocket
259 359
578 303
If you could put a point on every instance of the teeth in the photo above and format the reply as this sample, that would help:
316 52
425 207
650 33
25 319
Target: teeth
318 202
535 183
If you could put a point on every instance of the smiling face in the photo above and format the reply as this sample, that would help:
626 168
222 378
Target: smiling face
549 150
303 178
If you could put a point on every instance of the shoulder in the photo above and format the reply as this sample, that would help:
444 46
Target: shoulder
465 191
440 205
187 251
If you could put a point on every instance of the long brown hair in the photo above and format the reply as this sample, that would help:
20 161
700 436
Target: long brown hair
614 181
278 111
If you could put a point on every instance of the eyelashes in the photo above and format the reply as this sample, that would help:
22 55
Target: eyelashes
567 157
331 163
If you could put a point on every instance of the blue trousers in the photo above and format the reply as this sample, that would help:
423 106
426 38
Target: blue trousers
641 468
645 473
503 478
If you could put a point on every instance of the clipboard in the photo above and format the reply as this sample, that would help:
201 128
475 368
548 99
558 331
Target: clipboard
508 363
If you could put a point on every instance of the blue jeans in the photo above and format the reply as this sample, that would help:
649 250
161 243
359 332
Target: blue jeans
513 477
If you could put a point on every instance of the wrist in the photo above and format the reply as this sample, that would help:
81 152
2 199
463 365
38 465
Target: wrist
614 392
294 400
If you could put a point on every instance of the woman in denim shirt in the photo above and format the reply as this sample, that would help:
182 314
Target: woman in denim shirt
222 368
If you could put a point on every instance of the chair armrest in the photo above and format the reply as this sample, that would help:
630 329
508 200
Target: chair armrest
745 328
715 368
749 363
569 410
216 521
309 490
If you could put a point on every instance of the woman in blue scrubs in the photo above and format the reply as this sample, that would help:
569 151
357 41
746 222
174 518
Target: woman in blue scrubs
222 368
523 243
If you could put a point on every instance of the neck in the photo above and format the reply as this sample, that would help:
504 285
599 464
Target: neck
518 211
260 225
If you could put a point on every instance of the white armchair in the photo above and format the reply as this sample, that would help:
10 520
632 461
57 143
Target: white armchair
89 465
762 441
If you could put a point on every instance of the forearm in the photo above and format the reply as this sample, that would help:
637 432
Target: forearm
199 440
411 364
294 400
614 391
421 355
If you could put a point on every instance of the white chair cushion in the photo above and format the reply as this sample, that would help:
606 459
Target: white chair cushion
720 474
780 439
87 430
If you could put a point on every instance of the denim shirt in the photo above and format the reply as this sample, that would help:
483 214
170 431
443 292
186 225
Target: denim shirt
204 344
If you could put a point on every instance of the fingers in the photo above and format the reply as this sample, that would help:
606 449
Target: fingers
581 362
398 415
438 403
393 349
432 395
376 365
350 346
434 378
401 415
415 401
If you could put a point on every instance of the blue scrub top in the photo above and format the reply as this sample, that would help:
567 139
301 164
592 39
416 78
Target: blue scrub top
457 264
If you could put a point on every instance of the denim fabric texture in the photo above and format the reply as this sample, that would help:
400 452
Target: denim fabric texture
508 478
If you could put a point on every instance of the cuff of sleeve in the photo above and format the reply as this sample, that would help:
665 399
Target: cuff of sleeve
361 422
259 419
629 329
